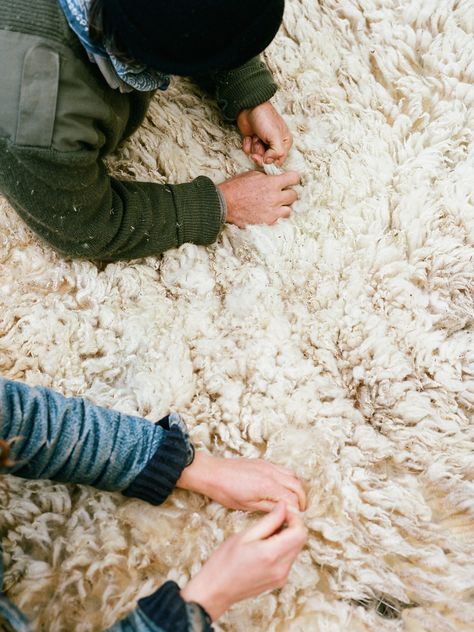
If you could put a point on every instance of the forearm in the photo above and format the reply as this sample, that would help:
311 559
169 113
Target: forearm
153 218
71 440
69 200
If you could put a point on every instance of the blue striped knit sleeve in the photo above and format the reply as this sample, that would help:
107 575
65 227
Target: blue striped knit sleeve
71 440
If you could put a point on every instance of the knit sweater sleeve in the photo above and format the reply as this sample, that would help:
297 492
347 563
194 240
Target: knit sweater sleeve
71 440
235 90
165 611
69 200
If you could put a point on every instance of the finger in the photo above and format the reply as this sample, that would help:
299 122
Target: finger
285 545
291 540
267 525
257 159
283 213
292 483
287 143
278 149
274 154
247 145
265 505
297 489
288 197
288 179
277 493
287 495
295 521
257 146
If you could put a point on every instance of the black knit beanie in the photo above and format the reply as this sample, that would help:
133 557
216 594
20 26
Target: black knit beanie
186 37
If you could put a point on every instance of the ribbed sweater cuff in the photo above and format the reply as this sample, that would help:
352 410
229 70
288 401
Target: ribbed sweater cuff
246 87
199 211
168 610
158 478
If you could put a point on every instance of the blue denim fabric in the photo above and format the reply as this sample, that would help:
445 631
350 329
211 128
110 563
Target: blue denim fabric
71 440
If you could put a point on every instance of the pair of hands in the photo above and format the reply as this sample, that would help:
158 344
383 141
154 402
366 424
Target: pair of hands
253 197
260 557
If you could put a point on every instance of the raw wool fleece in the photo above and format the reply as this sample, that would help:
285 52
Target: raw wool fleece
338 343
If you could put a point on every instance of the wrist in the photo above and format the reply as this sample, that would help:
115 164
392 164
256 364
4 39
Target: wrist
247 111
198 476
243 113
225 194
223 204
207 596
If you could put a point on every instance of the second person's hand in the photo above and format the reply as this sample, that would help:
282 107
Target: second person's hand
244 484
248 563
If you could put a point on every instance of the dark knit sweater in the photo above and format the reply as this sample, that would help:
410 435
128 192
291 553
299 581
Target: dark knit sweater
59 119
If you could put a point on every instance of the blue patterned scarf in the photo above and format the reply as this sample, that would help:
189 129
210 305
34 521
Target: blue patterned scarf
119 75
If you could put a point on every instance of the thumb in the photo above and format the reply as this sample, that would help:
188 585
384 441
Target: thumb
274 153
267 525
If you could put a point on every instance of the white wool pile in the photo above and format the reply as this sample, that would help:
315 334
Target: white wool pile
338 343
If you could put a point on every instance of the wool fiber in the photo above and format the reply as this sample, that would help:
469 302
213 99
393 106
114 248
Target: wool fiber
338 343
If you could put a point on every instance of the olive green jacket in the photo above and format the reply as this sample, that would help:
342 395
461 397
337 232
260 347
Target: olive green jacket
59 119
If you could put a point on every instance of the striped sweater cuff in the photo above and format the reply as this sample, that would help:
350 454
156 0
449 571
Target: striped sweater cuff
168 610
158 478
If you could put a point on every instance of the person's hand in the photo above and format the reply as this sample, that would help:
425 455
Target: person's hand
248 563
244 484
255 198
267 138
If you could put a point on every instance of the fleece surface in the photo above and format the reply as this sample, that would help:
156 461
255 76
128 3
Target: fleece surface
338 343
